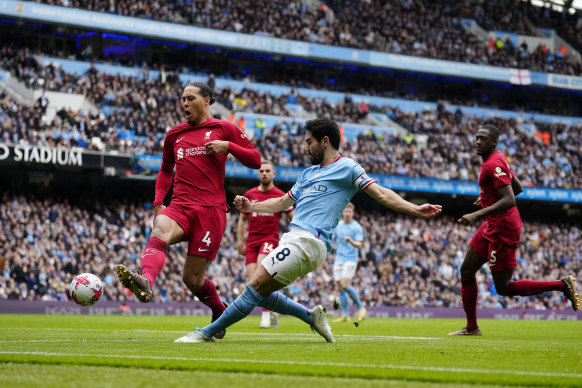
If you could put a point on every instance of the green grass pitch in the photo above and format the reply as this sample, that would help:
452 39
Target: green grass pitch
123 351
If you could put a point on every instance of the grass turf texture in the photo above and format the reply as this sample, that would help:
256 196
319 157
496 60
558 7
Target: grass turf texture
41 350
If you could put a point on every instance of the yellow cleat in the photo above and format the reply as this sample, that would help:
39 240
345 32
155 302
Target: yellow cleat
570 292
343 318
362 313
136 283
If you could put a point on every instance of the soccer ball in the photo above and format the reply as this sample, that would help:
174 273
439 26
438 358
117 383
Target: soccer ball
86 289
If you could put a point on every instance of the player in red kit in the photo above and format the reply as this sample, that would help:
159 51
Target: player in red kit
497 238
198 149
263 232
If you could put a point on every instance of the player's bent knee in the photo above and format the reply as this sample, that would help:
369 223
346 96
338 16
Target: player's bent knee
194 283
167 230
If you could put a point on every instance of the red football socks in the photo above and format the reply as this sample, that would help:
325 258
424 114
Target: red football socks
469 292
533 287
210 298
153 259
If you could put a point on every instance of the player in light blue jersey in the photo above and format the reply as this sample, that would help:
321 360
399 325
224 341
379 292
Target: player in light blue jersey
349 239
320 195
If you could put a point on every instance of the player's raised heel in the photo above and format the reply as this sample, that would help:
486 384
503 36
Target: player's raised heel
221 333
467 331
320 323
138 284
570 291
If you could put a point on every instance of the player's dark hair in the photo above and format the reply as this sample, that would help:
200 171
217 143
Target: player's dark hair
321 127
205 90
492 129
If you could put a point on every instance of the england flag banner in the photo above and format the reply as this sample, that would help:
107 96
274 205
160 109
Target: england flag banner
519 77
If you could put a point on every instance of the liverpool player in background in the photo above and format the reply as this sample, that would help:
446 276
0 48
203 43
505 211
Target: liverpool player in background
198 148
263 234
496 239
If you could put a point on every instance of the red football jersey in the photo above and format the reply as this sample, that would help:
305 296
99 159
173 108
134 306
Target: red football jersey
262 225
496 173
199 177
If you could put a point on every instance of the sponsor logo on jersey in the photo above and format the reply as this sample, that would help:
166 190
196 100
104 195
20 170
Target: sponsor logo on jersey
314 189
193 151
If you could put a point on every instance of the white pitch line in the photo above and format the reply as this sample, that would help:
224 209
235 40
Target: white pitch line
295 362
230 333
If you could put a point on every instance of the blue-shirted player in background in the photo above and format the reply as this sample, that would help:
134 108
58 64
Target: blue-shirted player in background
349 239
320 195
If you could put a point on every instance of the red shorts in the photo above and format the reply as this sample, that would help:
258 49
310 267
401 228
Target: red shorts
203 227
499 253
261 247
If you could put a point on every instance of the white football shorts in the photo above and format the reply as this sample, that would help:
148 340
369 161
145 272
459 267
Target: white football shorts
299 252
344 269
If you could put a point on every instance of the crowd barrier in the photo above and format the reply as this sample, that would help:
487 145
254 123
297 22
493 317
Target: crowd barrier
198 309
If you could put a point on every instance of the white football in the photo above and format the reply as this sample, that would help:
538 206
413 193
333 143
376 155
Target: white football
86 289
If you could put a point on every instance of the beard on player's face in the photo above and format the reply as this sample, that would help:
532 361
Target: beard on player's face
316 155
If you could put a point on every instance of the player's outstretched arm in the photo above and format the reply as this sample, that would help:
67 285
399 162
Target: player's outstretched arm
271 205
393 201
240 233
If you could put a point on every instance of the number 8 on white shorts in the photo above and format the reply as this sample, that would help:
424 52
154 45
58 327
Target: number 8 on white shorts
298 253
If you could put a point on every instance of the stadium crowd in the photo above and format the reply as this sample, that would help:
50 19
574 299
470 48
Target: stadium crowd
419 28
128 123
405 261
522 18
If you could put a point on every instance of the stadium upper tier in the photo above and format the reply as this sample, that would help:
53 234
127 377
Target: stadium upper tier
28 66
525 19
136 111
421 28
405 261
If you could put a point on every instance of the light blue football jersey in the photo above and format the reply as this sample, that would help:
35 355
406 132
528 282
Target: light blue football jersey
322 193
344 250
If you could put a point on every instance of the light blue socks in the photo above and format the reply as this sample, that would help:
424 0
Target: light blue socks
354 295
248 300
343 299
281 304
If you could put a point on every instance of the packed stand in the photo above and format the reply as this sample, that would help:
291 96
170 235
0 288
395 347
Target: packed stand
130 123
448 152
418 28
523 18
405 261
